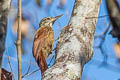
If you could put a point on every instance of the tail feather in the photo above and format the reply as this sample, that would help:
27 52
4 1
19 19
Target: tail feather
41 61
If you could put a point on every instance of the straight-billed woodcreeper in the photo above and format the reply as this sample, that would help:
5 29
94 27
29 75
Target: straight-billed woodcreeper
43 42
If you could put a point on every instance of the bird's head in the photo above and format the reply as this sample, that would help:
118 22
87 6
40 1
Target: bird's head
48 21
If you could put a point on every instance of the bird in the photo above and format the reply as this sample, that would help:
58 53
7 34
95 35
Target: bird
44 41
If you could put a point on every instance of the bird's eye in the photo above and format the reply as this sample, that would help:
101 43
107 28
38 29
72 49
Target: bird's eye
48 18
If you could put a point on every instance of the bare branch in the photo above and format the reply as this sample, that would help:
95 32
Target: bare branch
18 42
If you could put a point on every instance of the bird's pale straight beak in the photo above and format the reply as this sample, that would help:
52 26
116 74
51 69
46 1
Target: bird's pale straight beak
55 18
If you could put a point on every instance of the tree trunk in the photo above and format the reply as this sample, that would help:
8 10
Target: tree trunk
74 48
4 8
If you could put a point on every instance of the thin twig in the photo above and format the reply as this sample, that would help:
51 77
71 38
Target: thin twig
10 64
28 69
100 46
30 73
18 42
97 17
23 61
103 35
108 66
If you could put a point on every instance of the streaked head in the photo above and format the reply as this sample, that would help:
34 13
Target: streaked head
48 21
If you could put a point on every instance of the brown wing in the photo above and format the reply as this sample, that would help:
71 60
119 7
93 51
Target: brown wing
42 46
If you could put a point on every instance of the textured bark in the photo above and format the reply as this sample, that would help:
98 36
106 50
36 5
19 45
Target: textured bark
74 47
4 8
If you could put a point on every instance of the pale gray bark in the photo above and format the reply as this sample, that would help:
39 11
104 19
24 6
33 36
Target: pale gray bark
74 47
4 8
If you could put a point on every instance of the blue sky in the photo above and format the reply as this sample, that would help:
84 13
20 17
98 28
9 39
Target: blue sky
92 70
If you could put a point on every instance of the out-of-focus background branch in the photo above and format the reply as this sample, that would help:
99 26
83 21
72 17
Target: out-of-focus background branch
114 15
4 9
